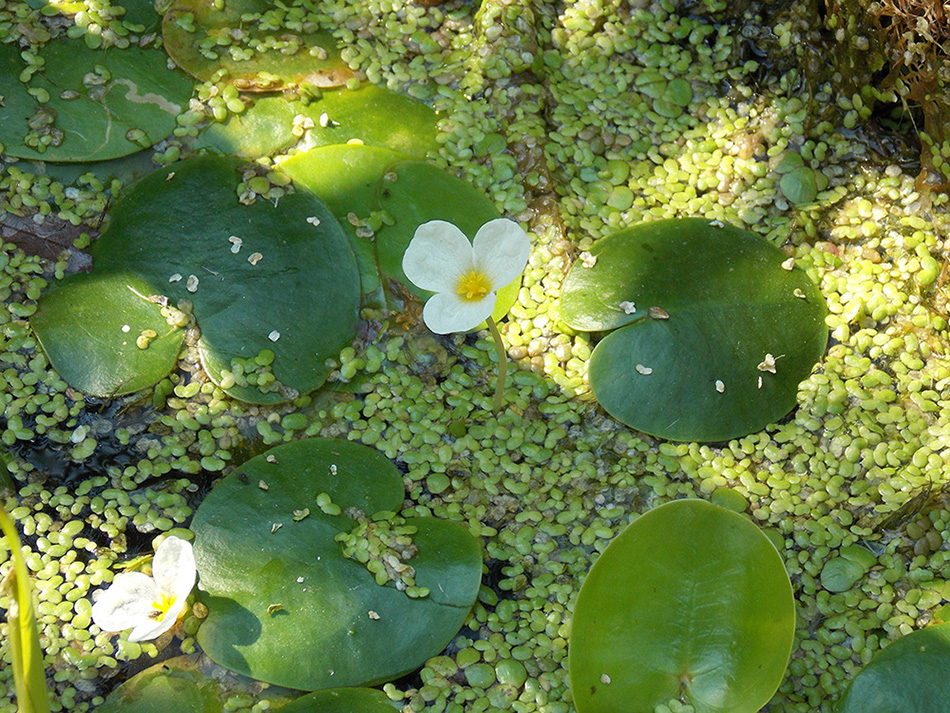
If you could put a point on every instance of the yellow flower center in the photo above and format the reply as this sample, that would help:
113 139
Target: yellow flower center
473 286
161 606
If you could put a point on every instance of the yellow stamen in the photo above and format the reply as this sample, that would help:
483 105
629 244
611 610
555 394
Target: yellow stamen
473 286
161 606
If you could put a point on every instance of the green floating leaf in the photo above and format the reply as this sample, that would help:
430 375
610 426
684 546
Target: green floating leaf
254 41
374 115
342 700
909 676
712 335
690 602
103 335
186 684
799 186
363 180
287 607
295 305
97 104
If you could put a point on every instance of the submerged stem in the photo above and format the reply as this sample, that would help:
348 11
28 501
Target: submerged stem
502 364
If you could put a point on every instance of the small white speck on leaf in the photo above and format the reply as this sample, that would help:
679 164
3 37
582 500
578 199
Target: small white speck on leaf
299 580
236 244
262 485
333 469
716 224
588 260
313 220
270 458
191 284
760 382
628 307
788 264
799 294
767 364
658 313
645 370
324 119
175 278
170 176
605 679
720 387
126 328
255 258
372 615
274 336
275 527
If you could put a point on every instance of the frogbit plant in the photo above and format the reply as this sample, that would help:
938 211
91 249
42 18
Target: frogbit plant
466 276
149 606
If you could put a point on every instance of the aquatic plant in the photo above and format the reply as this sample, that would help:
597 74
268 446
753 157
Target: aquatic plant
466 276
149 605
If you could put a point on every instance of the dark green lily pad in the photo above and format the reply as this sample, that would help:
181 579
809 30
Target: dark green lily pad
374 115
187 684
201 40
363 180
342 700
799 186
89 327
285 606
133 106
690 602
909 676
742 330
299 301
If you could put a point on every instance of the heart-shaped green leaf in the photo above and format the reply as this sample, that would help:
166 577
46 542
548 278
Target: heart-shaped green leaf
242 38
909 676
714 328
99 104
177 229
104 336
362 180
690 602
374 115
187 684
286 606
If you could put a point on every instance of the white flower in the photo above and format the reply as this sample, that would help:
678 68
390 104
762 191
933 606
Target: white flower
464 276
149 606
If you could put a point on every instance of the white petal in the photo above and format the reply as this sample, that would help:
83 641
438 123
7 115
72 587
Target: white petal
445 312
501 251
127 603
153 628
173 567
437 254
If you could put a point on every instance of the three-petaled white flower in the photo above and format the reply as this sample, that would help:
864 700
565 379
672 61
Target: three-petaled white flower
149 606
465 276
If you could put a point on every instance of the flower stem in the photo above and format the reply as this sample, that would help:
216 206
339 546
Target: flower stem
502 364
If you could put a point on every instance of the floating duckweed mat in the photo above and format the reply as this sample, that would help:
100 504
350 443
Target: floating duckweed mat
556 114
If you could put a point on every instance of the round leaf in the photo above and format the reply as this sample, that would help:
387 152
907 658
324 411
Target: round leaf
342 700
909 676
186 684
298 301
130 106
90 328
362 179
193 32
374 115
742 330
285 606
690 602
